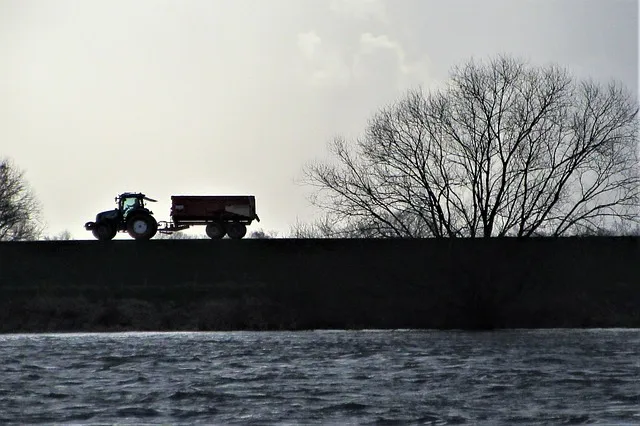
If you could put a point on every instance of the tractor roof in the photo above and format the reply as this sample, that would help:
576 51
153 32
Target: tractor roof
136 195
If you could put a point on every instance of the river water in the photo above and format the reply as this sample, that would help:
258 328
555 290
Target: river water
377 377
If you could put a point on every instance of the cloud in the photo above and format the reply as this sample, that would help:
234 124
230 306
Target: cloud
366 60
358 53
360 9
309 43
323 64
370 42
371 46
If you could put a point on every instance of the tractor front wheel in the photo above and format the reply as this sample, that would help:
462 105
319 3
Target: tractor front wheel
142 226
104 231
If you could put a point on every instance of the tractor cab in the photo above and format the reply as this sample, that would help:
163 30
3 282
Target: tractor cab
129 202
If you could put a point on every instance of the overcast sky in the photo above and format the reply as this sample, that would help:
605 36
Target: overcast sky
235 96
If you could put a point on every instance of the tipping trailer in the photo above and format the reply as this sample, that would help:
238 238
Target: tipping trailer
220 214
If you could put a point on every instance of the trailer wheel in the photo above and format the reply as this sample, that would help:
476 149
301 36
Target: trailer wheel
215 230
236 230
142 226
103 231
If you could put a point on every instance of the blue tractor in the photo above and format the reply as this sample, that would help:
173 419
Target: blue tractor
131 215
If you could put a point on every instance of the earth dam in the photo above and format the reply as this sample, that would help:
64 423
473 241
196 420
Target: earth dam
304 284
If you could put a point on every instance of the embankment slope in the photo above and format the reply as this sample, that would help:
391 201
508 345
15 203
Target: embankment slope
306 284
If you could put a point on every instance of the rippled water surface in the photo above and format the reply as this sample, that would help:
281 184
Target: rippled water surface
560 376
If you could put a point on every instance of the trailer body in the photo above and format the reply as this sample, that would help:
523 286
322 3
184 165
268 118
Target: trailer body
203 209
221 214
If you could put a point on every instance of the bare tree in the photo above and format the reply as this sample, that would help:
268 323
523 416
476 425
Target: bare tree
19 208
506 149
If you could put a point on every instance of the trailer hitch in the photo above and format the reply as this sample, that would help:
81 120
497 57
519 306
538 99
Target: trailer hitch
165 227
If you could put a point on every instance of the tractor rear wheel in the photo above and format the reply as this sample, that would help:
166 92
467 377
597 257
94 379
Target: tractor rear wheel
236 230
142 226
215 230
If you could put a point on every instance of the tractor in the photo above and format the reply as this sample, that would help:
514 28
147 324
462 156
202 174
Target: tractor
223 215
131 216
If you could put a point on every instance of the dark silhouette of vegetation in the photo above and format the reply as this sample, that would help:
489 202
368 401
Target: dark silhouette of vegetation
261 234
62 236
505 149
258 234
321 228
19 208
179 236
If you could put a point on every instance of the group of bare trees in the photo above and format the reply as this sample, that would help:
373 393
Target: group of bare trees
19 208
505 149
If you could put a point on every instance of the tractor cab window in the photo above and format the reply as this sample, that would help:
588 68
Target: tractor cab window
129 204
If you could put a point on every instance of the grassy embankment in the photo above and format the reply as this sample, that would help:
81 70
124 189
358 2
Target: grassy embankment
306 284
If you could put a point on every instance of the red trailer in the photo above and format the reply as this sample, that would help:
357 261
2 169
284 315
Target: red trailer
221 214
